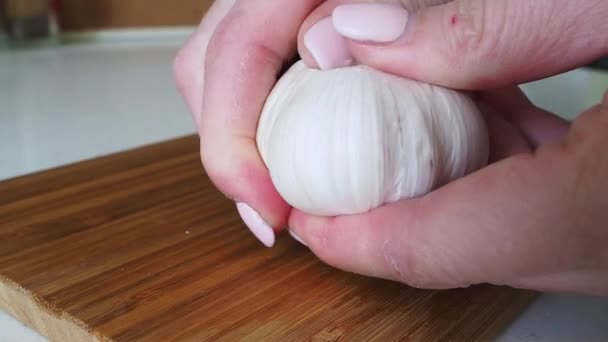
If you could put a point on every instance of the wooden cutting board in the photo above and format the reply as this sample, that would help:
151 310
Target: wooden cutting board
140 246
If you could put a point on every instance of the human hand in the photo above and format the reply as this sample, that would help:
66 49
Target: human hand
225 72
534 218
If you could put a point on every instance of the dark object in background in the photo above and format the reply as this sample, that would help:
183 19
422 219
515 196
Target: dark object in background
2 18
601 64
29 20
86 15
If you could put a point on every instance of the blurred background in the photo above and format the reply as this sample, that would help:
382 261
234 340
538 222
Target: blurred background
85 78
78 15
80 79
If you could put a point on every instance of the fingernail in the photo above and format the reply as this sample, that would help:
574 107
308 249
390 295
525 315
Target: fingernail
297 237
372 22
256 224
326 46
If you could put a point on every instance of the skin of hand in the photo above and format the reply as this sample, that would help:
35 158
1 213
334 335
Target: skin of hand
533 218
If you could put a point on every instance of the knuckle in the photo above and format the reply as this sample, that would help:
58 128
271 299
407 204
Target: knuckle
321 241
469 40
226 178
406 265
327 239
587 134
228 35
593 120
420 260
222 24
239 32
216 165
222 38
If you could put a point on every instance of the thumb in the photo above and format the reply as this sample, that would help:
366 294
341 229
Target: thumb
474 44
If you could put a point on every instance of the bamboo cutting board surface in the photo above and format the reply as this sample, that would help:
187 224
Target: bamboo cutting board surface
140 246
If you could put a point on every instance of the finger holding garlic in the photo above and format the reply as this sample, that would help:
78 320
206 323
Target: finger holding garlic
348 140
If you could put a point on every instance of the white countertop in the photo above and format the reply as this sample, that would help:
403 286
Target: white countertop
75 102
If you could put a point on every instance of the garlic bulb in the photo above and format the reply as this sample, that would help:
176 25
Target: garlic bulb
348 140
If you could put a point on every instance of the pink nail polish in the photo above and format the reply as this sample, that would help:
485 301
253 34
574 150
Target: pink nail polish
327 47
373 22
297 237
256 224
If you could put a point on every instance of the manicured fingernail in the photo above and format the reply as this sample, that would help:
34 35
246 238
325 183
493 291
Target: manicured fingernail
256 224
372 22
297 237
326 46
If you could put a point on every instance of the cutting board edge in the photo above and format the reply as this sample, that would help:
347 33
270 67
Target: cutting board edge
41 316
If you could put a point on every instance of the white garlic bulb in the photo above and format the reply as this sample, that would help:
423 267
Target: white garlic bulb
348 140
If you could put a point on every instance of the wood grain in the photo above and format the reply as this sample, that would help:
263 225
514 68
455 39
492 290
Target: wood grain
103 14
140 246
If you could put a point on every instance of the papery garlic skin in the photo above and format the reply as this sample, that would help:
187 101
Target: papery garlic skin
349 140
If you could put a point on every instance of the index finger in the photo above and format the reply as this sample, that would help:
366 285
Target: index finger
244 57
